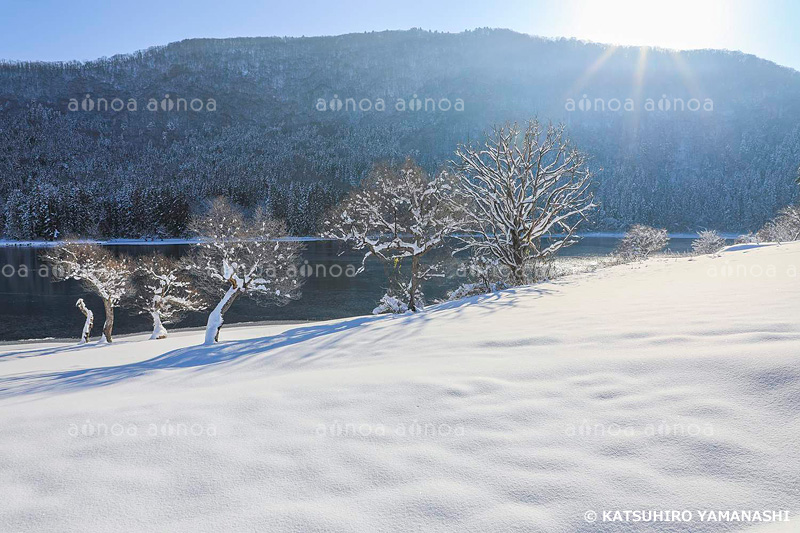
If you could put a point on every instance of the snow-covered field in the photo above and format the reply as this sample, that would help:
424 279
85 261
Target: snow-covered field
672 384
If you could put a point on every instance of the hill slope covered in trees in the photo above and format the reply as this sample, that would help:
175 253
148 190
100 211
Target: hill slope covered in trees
690 140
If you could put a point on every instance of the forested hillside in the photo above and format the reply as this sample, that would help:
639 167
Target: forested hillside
283 124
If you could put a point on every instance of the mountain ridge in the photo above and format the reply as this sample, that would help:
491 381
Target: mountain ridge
266 142
191 40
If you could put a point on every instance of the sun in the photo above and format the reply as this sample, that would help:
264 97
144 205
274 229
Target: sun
679 24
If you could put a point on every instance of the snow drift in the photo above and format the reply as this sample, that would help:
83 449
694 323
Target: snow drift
671 384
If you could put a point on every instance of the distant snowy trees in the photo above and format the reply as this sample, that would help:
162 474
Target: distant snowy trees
524 193
641 241
240 255
164 291
138 174
708 242
398 214
97 269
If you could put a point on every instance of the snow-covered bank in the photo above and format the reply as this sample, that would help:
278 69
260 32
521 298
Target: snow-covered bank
672 384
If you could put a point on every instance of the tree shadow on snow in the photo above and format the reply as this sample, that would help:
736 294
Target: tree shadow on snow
232 354
227 353
35 352
489 303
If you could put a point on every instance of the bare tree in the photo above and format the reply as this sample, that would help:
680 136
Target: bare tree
398 213
87 326
98 270
243 256
524 194
163 290
641 241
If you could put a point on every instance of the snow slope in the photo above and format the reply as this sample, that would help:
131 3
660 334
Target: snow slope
519 411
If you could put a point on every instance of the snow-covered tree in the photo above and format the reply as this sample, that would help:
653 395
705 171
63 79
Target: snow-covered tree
708 242
164 291
87 326
790 217
524 194
97 269
397 215
243 256
783 228
641 241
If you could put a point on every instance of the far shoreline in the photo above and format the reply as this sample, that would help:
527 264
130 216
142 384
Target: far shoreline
8 243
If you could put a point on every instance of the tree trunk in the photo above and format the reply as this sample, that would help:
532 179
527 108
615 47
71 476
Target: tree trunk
412 298
87 326
518 268
215 318
159 331
518 271
109 323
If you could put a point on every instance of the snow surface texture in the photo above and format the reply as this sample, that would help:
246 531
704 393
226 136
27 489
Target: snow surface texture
470 416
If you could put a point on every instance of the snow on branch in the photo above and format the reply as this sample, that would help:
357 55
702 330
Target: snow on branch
238 255
164 291
523 194
397 213
97 269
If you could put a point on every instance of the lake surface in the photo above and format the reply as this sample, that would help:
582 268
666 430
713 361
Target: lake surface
34 306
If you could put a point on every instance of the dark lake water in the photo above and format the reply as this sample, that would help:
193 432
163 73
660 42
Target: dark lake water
33 306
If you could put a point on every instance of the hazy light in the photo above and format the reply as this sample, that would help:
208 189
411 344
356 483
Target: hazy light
591 71
681 24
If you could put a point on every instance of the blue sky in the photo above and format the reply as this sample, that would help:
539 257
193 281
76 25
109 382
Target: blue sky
88 29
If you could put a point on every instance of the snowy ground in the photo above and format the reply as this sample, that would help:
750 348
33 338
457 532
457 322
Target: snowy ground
667 385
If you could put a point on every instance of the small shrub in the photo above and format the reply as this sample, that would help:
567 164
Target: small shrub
747 238
465 290
390 305
642 241
486 275
708 242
